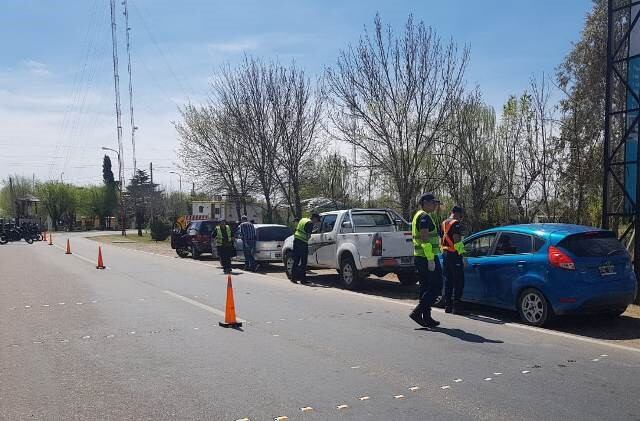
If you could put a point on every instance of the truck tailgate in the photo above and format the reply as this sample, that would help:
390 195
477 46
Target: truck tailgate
396 244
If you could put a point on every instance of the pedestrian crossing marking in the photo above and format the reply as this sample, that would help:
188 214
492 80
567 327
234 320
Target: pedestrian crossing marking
414 388
364 398
445 387
398 397
306 409
343 406
458 380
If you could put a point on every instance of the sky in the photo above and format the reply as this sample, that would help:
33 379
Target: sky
57 101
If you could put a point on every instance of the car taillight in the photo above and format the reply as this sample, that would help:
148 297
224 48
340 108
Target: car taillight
559 259
376 249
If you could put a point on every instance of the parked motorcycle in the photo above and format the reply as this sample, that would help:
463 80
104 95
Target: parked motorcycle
15 234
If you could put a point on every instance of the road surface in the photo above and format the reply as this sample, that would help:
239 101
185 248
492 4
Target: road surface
141 340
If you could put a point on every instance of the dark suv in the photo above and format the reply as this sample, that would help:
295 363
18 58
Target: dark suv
195 239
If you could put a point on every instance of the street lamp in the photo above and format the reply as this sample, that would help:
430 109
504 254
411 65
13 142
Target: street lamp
61 174
121 185
180 177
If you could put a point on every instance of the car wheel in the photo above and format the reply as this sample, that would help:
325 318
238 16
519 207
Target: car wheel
182 252
534 308
288 264
349 274
407 278
195 253
3 239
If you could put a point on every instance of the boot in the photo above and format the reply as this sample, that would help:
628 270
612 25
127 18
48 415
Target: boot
417 317
428 321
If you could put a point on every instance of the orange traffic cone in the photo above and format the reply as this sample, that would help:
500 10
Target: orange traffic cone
68 247
100 264
51 239
230 309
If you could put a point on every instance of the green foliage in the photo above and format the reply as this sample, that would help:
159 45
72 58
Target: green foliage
107 172
59 200
160 229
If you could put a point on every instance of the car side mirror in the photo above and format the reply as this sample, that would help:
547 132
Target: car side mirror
347 225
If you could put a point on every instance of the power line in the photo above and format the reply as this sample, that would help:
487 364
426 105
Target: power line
133 125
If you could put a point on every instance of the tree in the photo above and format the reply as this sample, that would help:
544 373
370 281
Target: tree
582 77
110 195
22 186
392 96
143 196
59 201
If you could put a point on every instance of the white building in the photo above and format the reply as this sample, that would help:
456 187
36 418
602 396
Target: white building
218 208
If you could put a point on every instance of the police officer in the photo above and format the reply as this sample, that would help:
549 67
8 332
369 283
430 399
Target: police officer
301 247
453 251
224 244
426 249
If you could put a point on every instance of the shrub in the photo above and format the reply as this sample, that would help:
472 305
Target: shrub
160 229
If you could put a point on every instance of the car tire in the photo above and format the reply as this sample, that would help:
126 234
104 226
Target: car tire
288 264
4 239
195 254
182 252
534 308
349 274
407 278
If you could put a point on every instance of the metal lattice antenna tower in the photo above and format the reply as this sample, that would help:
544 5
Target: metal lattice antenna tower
133 125
116 82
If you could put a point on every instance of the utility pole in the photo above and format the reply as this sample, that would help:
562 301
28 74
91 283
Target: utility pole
133 124
116 82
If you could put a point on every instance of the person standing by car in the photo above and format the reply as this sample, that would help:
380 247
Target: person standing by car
301 247
453 251
248 236
426 249
224 244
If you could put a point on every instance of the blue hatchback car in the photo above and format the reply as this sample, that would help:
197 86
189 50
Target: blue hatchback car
544 270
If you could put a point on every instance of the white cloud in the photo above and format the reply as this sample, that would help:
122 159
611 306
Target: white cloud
37 68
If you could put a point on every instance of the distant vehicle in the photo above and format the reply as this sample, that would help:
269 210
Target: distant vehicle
195 239
270 239
359 242
548 270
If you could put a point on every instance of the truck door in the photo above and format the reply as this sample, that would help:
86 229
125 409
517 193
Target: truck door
326 248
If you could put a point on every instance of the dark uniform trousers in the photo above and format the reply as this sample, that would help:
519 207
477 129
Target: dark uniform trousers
224 253
454 278
300 256
430 283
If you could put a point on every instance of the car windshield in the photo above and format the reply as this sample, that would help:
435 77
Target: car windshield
593 244
273 233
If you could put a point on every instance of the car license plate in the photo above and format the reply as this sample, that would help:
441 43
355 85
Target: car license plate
607 270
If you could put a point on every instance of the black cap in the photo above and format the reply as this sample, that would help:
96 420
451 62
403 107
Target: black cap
428 197
457 209
315 216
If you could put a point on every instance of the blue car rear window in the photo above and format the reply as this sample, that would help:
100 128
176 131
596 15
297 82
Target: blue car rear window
593 244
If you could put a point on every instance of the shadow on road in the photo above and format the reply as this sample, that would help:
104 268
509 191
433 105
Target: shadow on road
462 335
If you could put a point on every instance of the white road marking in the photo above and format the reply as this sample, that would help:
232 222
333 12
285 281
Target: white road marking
343 406
243 419
37 342
595 360
27 306
445 387
268 323
282 418
93 262
64 340
276 335
110 336
200 305
45 305
306 409
604 355
196 328
79 304
60 304
497 374
355 367
94 301
488 379
86 337
364 398
458 380
525 372
414 388
398 396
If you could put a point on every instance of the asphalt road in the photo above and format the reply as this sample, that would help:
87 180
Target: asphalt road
141 340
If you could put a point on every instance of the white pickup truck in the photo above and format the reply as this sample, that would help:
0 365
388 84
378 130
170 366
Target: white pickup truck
359 242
